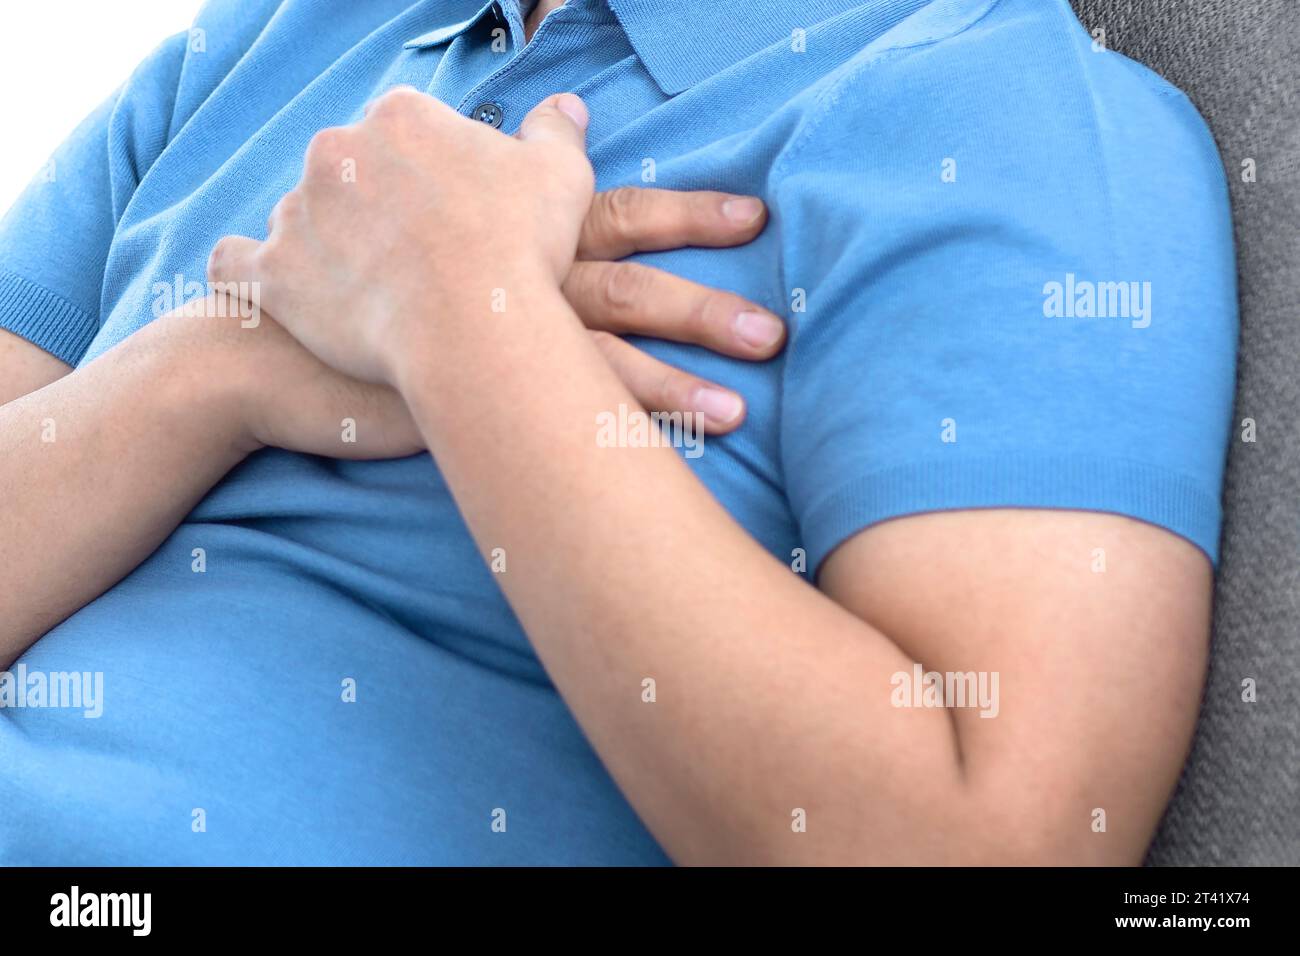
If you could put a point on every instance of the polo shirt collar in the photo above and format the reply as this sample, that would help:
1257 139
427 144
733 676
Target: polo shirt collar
460 15
684 42
680 42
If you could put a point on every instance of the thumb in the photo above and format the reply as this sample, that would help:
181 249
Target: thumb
234 259
559 118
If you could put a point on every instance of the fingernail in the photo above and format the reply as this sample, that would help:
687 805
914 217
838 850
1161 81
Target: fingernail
718 405
573 107
758 329
742 211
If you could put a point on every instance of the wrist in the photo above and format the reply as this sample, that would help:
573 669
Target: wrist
453 329
206 371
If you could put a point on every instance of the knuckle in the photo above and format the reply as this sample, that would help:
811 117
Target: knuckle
398 107
290 204
327 150
622 207
626 284
398 101
700 319
672 390
219 258
287 210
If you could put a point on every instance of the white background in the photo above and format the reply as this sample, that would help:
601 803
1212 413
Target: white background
59 59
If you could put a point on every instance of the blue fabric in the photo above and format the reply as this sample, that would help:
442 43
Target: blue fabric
932 167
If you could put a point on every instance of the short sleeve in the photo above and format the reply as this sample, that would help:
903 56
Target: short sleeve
1013 285
55 239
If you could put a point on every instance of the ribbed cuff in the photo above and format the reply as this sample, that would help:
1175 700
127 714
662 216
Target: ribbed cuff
45 319
1073 483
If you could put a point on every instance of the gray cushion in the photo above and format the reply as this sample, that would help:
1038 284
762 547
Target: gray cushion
1238 802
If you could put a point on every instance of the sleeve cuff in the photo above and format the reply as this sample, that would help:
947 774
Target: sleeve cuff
45 319
1116 486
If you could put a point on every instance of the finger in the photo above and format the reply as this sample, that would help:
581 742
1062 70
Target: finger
661 388
285 212
234 264
559 118
627 220
627 298
236 268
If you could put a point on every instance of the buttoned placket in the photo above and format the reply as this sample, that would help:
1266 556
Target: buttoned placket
484 101
494 100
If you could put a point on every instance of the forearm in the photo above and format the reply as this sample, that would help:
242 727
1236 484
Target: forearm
97 468
769 696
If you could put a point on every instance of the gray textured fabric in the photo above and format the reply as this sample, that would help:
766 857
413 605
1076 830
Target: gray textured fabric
1238 802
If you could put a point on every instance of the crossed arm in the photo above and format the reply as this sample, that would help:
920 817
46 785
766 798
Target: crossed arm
773 697
100 464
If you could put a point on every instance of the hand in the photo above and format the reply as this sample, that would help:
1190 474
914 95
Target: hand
626 298
615 298
377 245
289 398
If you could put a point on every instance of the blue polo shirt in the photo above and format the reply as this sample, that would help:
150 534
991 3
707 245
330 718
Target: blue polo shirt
1005 256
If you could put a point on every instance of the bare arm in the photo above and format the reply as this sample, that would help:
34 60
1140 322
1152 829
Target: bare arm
772 698
96 469
25 368
100 465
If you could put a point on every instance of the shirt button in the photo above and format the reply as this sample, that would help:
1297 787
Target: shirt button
489 113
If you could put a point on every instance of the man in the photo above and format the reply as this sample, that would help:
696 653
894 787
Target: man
1007 263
